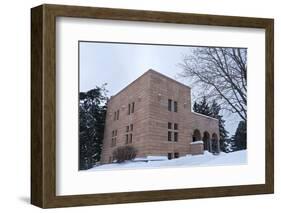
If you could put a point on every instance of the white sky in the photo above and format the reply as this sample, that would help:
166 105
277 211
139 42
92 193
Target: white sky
120 64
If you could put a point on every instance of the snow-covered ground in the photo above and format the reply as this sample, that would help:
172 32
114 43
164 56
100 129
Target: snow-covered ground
207 159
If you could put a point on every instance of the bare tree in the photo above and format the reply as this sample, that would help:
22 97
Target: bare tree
221 73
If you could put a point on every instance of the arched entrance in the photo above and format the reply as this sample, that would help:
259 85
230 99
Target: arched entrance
196 135
215 143
206 140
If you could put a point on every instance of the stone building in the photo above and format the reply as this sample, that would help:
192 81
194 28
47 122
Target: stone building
154 115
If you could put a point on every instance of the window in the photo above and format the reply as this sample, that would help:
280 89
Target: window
127 139
176 155
169 136
169 125
129 109
114 138
170 105
127 128
175 136
117 116
170 156
175 126
175 106
131 138
113 142
114 116
133 107
131 127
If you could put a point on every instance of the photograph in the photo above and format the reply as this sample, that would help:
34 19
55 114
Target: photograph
145 106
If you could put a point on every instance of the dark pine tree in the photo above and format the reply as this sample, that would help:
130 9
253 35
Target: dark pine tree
202 107
240 137
215 113
92 113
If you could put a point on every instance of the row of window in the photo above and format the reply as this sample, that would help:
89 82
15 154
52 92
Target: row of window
129 135
172 105
171 126
171 138
173 155
173 132
131 109
170 156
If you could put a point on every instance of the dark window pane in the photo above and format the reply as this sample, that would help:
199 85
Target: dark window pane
116 132
170 156
129 109
127 128
117 117
133 107
175 136
175 106
113 133
131 138
127 139
131 127
170 105
169 125
169 136
114 116
176 155
175 126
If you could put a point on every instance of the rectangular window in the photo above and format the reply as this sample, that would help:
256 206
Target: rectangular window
175 136
117 116
176 155
129 109
113 133
175 106
175 126
169 125
127 128
114 116
170 105
131 138
113 142
169 136
116 132
131 127
170 156
133 107
127 139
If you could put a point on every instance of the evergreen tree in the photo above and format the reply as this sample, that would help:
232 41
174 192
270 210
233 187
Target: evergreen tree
240 137
202 107
92 113
215 110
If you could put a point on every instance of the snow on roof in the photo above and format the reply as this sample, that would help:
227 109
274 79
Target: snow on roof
197 142
196 113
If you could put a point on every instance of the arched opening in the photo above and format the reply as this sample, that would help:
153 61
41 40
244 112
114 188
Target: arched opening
196 135
206 140
215 143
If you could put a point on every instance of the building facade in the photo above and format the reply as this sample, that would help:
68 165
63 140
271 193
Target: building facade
154 115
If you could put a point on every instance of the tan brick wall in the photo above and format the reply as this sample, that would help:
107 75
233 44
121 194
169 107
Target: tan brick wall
151 92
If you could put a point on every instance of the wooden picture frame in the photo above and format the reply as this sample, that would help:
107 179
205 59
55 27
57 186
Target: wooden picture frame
43 105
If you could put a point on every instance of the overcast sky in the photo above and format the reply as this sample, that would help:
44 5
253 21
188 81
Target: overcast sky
120 64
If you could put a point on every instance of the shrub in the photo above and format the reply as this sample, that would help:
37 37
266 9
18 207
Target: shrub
122 153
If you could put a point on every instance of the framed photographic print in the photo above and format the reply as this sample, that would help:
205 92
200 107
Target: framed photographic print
135 106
